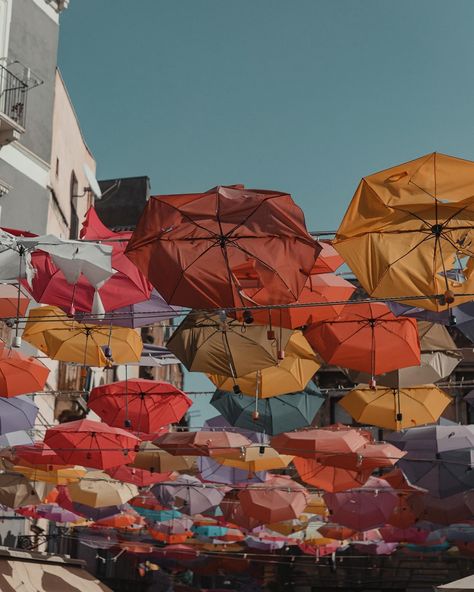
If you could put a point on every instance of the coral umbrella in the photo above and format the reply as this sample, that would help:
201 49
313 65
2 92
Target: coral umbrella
97 489
256 458
334 531
13 303
448 510
371 456
290 375
203 240
20 374
139 477
150 458
39 455
69 341
280 498
408 231
396 408
328 259
17 414
189 495
203 443
402 515
138 404
272 415
92 444
125 519
367 337
215 344
315 443
328 478
364 508
212 471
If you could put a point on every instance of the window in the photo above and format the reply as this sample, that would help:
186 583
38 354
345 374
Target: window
74 219
57 167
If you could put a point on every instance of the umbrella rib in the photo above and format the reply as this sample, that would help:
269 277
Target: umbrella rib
415 216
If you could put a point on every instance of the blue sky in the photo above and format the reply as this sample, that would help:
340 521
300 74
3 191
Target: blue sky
305 96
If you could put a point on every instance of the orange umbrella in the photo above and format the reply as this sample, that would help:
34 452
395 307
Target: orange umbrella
122 520
366 458
332 479
12 303
402 515
20 374
170 539
334 531
367 337
279 498
328 259
318 442
203 443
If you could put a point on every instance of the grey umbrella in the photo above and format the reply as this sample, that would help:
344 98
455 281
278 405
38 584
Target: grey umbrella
273 415
17 413
434 438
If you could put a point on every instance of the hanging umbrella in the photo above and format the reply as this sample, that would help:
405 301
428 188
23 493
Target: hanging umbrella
368 338
434 438
408 230
391 534
397 479
212 471
315 443
204 240
415 312
396 408
368 457
220 423
96 514
316 505
38 455
139 404
172 532
279 498
56 475
13 303
264 544
292 374
55 513
150 458
203 443
126 520
13 439
20 374
402 515
448 510
443 474
328 478
139 477
96 489
17 414
335 531
215 344
256 458
188 494
92 444
16 490
328 259
273 415
364 508
70 341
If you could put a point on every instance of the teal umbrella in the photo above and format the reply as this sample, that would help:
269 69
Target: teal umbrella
273 415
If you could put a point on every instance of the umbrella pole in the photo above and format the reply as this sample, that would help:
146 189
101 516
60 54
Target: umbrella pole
17 338
236 387
127 423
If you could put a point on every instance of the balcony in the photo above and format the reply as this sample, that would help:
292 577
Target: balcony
13 93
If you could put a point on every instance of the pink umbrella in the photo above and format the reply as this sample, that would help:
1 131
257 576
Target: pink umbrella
364 508
448 510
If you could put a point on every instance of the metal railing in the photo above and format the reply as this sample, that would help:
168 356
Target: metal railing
13 93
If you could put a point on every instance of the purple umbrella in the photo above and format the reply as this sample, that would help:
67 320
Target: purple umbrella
434 438
219 422
20 438
97 513
213 471
263 544
402 310
17 413
364 508
464 315
188 494
55 513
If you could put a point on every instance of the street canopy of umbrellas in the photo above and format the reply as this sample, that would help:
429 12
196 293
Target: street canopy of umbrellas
246 295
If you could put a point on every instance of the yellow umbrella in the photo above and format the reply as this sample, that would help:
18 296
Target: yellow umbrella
291 375
71 341
396 409
287 527
409 231
151 458
97 489
57 475
317 505
257 458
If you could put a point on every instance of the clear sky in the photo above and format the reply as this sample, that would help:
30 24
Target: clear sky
305 96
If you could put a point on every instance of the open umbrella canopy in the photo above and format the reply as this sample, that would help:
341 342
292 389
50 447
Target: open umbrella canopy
396 408
368 457
92 444
17 414
256 458
202 443
366 337
13 303
328 478
214 472
272 415
48 329
189 495
447 510
55 475
138 404
328 259
150 458
16 490
434 438
290 375
55 513
97 489
139 477
203 240
279 498
219 345
408 226
38 455
20 374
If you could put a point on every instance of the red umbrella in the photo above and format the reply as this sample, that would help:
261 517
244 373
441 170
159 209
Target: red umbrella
139 477
20 374
366 458
328 259
367 338
37 454
138 404
12 303
202 240
334 531
92 444
126 286
279 498
402 515
203 443
328 478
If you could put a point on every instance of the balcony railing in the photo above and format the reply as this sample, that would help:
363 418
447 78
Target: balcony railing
13 93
